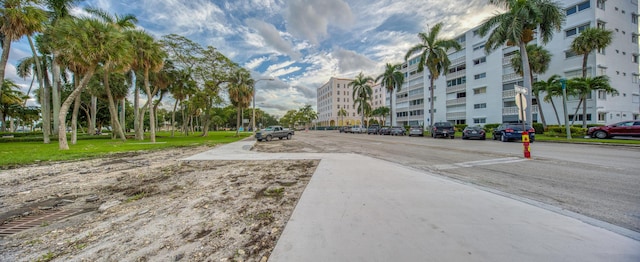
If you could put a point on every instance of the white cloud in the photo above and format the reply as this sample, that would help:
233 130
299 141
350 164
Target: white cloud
309 19
272 37
253 63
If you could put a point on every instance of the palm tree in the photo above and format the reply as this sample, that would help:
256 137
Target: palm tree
434 56
382 111
11 97
149 57
392 79
307 114
516 27
18 18
586 85
539 60
342 113
552 87
59 9
361 94
84 44
590 39
240 92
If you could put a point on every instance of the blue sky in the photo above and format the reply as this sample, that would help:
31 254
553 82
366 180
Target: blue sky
300 43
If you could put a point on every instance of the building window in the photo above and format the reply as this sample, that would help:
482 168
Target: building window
602 116
634 38
480 60
577 8
479 76
579 117
478 46
479 106
602 95
575 30
634 18
461 39
569 54
481 90
479 120
600 4
457 81
475 32
634 58
634 78
601 24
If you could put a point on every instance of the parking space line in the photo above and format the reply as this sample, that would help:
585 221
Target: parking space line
480 163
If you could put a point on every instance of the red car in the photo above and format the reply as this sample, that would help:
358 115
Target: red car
626 128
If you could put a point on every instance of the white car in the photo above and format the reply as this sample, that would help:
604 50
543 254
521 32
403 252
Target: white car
356 129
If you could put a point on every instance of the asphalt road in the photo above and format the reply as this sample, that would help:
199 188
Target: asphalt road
599 182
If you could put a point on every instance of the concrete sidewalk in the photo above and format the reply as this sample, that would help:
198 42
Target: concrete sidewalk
358 208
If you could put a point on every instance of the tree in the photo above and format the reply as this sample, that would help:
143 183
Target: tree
84 44
434 56
240 92
289 118
517 26
148 57
361 95
11 98
58 9
342 113
381 112
392 79
18 18
586 85
307 114
552 87
539 60
590 39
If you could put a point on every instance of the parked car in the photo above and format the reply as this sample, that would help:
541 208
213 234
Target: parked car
443 129
474 132
373 129
356 129
385 130
342 129
625 128
397 131
512 131
416 131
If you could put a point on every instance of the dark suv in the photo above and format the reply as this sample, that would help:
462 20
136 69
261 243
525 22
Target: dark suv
373 129
443 129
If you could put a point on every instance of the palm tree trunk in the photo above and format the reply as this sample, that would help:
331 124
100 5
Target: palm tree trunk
173 116
576 112
555 110
152 116
55 90
431 103
74 121
64 108
391 104
6 46
94 114
122 113
526 69
115 124
584 113
238 115
39 74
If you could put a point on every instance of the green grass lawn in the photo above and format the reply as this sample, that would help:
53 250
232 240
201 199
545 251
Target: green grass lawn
22 153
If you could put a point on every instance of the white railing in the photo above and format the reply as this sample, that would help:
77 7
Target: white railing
456 115
457 74
510 77
456 88
509 93
507 60
456 101
507 111
458 60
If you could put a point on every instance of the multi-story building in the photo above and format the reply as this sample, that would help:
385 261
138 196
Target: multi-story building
478 88
335 95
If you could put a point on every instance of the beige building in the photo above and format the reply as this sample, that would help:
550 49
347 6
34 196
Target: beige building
335 95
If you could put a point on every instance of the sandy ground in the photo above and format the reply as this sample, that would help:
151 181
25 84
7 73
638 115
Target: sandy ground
149 206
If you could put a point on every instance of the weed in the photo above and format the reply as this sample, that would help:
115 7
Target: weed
276 192
46 257
44 224
135 197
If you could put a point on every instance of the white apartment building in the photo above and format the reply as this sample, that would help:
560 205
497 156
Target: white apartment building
336 94
479 87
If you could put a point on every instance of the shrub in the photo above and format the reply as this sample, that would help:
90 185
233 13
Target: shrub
539 128
460 127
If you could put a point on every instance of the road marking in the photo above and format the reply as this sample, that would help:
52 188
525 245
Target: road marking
480 163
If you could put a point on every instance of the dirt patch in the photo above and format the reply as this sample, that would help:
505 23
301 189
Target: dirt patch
153 207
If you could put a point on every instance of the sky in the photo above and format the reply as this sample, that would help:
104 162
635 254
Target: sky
299 43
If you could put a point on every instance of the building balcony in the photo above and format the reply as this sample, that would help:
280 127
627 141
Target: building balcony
456 74
457 101
507 60
508 111
509 94
458 60
511 77
456 88
456 115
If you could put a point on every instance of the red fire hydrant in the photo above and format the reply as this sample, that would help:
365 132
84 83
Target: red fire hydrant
525 143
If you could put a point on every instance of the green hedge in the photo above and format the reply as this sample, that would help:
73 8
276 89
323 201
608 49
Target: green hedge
561 131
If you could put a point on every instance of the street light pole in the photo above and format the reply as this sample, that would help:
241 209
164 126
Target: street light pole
253 117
